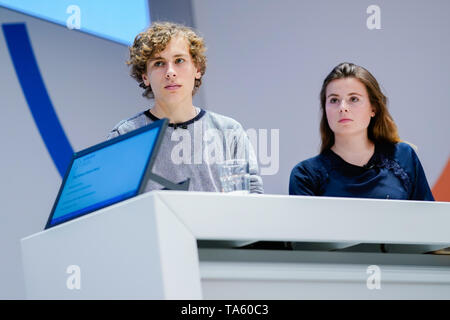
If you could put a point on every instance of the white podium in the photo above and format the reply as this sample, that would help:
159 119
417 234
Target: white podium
146 248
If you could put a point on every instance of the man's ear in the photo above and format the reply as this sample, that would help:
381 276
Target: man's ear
145 79
198 75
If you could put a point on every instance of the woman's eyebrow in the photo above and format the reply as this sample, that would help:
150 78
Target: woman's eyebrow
355 93
333 94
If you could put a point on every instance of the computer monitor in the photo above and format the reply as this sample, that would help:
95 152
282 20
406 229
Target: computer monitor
109 172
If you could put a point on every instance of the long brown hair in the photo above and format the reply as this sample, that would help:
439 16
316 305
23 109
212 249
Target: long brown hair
382 127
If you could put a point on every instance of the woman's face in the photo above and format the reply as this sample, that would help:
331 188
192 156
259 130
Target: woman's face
348 107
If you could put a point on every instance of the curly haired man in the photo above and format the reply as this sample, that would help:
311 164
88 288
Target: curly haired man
168 61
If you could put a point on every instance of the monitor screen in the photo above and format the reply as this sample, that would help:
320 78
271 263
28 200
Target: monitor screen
104 175
118 21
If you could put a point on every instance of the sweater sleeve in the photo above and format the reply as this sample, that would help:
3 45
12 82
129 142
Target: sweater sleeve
244 150
304 180
420 190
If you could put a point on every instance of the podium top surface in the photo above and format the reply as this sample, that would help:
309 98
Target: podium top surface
218 216
305 218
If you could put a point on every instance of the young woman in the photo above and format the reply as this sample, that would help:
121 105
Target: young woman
361 154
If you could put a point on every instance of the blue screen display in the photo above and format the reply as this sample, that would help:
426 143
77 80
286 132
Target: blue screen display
105 176
116 20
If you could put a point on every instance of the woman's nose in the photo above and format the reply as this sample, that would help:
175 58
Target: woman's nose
343 107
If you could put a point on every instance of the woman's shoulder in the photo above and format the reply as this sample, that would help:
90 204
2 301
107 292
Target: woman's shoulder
402 152
308 176
401 159
405 148
406 165
313 164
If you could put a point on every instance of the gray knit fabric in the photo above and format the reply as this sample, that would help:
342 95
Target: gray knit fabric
195 152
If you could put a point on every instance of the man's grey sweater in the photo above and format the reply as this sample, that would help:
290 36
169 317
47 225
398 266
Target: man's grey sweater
195 148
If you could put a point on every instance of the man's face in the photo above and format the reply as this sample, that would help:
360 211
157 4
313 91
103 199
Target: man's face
171 73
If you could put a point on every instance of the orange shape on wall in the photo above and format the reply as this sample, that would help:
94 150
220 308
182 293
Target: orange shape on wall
441 190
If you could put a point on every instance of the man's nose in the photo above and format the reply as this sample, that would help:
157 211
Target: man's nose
170 72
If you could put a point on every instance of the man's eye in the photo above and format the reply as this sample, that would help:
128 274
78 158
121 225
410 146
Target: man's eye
158 64
179 60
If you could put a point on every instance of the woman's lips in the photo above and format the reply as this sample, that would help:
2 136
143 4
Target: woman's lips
345 120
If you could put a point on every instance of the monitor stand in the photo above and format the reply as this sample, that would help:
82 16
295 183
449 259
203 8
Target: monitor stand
169 185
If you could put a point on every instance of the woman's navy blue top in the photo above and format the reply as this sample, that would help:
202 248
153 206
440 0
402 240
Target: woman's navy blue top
393 172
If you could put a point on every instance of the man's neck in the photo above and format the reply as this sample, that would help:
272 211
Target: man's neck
175 113
356 150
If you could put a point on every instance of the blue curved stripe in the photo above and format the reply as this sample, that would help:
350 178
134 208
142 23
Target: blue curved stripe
35 93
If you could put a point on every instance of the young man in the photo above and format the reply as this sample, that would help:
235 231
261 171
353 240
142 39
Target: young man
168 61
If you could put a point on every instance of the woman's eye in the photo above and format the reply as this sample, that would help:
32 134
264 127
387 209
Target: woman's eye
158 63
333 100
179 60
354 99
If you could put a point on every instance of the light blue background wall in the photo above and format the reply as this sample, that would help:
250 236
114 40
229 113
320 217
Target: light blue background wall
268 59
